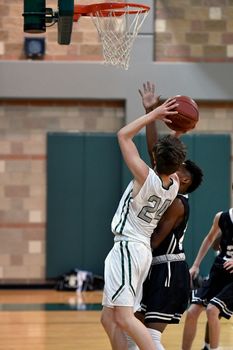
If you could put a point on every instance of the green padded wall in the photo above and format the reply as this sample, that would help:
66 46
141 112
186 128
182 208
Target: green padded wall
84 185
86 177
213 154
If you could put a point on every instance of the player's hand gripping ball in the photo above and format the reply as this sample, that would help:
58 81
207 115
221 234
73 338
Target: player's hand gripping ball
187 116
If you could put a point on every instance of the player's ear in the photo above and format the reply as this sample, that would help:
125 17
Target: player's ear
186 180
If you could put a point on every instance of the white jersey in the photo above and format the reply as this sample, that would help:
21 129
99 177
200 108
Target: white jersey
136 218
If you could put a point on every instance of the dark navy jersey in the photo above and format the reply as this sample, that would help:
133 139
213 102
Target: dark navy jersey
226 242
172 244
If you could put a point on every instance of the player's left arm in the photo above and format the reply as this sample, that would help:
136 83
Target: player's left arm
216 242
150 100
169 221
206 244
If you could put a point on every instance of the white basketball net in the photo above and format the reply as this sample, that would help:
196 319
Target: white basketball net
118 33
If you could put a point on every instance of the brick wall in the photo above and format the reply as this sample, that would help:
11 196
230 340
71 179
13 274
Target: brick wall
85 42
194 30
185 30
23 128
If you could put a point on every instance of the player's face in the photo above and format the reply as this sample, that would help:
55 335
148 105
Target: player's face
184 177
181 172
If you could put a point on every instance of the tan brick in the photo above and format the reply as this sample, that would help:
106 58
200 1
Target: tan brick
2 48
88 37
90 123
218 126
15 10
18 166
160 25
38 166
17 204
215 39
163 38
160 52
215 51
215 26
229 26
4 9
196 51
11 245
85 24
107 124
220 114
197 38
34 203
178 25
37 191
172 12
73 50
5 147
16 260
215 13
172 3
34 259
195 3
15 272
2 166
15 36
227 13
55 48
34 234
5 259
35 247
51 36
200 13
16 147
4 34
178 38
202 125
16 191
14 49
72 123
13 23
178 51
215 2
35 271
197 25
91 50
15 216
227 38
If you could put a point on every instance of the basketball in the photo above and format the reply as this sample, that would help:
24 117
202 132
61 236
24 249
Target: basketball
188 114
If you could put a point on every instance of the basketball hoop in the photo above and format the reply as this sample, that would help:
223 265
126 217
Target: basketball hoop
118 25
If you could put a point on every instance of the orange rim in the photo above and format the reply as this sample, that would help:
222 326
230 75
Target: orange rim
108 7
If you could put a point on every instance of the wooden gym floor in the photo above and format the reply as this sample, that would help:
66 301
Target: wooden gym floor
52 320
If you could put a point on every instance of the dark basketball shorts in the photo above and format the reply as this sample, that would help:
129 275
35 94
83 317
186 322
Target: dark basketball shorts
216 290
166 292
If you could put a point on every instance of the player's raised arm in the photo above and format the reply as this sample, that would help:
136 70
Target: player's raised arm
136 165
206 244
150 101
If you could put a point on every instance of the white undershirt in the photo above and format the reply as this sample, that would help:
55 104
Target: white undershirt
231 214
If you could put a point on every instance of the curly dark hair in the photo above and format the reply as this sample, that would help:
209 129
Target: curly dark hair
169 154
196 174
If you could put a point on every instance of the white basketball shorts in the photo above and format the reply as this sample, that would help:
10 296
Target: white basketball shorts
126 268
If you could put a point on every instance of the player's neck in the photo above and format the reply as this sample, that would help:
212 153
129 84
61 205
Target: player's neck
166 180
